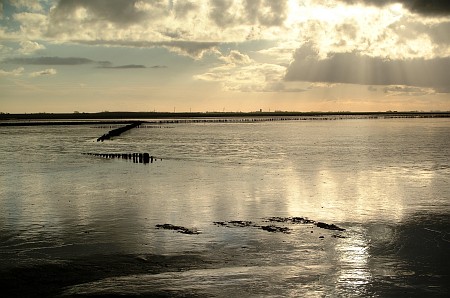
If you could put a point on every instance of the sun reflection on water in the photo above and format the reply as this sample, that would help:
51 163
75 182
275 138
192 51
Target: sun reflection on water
354 274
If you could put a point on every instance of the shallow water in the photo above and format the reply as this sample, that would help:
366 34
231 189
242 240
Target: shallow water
386 181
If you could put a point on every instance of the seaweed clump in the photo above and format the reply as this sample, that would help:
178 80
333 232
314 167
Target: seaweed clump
292 220
276 229
328 226
246 223
304 220
178 229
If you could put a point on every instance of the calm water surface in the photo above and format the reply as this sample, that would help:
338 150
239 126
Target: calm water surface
385 181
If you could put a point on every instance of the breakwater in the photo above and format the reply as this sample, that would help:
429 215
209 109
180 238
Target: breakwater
118 131
144 158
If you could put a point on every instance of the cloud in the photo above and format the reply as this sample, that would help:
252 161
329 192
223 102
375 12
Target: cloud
236 57
45 72
254 77
48 61
354 68
184 8
124 66
426 7
15 72
4 50
166 21
28 47
281 53
222 14
407 91
68 61
108 20
27 4
124 12
377 33
188 48
32 25
194 28
267 13
438 32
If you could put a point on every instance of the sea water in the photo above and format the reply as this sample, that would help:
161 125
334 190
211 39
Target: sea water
385 181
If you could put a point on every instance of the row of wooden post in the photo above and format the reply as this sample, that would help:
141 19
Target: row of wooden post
144 158
116 132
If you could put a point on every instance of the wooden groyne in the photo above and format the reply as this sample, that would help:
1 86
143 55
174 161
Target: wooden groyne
144 158
118 131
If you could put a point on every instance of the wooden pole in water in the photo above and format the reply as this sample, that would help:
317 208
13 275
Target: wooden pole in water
146 158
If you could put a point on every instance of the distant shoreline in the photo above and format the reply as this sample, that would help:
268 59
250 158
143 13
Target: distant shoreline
38 119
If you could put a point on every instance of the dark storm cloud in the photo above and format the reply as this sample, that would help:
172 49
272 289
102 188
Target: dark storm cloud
353 68
48 61
426 7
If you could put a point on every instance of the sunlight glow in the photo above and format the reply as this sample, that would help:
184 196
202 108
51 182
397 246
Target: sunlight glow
354 273
397 7
338 27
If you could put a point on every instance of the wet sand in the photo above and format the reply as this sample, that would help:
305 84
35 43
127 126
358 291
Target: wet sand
253 269
50 280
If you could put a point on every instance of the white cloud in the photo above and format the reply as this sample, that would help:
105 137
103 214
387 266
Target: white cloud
15 72
281 53
254 77
45 72
29 47
236 58
371 31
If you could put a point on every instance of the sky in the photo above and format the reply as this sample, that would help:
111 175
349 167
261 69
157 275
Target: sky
224 55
